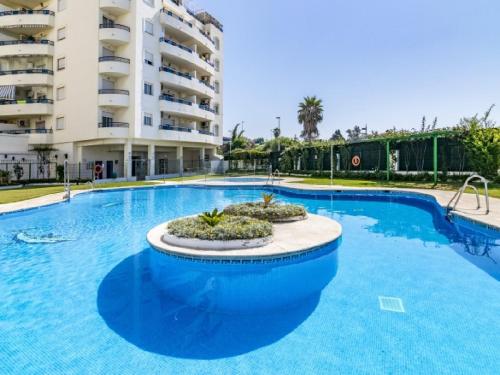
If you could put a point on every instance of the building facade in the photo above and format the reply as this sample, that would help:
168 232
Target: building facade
132 85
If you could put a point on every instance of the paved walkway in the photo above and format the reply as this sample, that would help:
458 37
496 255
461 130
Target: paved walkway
465 209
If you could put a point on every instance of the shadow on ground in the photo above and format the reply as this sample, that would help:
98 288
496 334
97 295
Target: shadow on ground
138 311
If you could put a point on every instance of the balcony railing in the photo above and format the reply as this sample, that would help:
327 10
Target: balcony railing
205 132
207 84
169 13
175 128
206 108
175 44
206 35
27 131
26 11
25 101
113 91
173 71
26 71
114 26
26 41
114 58
175 100
113 124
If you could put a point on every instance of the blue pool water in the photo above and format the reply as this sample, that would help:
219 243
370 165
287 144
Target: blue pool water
77 295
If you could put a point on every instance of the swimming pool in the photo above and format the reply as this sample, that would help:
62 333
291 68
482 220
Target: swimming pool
76 292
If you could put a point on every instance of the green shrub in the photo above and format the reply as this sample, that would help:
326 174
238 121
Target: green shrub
229 228
272 213
212 218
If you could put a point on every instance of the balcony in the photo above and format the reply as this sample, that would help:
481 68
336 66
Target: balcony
114 34
182 134
177 80
27 77
185 108
113 129
113 98
26 107
178 26
180 54
114 66
27 22
25 3
27 48
36 136
115 7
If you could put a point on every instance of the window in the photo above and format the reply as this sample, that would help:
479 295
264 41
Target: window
217 65
151 3
148 88
216 130
61 63
216 109
148 119
61 33
217 43
107 119
149 27
60 123
148 58
61 5
217 87
61 93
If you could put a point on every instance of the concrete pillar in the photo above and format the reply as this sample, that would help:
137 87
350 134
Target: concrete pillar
127 160
79 154
152 160
202 158
180 159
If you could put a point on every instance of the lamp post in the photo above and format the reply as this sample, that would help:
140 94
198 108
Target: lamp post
279 130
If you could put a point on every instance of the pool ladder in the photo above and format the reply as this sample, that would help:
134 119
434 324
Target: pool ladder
452 204
272 176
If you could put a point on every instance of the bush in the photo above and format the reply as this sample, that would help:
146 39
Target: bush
272 213
229 228
4 177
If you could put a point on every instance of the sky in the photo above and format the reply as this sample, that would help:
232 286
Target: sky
380 63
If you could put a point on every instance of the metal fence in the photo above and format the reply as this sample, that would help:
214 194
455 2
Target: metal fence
24 171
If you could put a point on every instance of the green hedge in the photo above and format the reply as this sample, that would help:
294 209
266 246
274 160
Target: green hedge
230 228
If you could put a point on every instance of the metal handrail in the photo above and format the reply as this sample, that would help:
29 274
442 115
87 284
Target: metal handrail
67 184
272 175
452 204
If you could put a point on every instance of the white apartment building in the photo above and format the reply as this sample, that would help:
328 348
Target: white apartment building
132 85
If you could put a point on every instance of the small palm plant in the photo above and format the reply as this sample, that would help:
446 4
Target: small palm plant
212 218
268 199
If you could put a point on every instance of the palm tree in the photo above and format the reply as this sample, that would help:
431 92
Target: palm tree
310 114
238 140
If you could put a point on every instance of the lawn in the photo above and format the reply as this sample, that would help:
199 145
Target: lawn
494 189
17 195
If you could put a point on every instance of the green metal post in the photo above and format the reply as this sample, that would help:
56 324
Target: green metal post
388 151
435 158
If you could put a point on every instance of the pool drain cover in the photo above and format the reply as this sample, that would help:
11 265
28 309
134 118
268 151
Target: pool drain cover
391 304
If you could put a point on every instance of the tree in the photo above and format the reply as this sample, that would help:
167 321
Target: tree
276 132
337 136
259 141
481 138
310 114
238 141
354 134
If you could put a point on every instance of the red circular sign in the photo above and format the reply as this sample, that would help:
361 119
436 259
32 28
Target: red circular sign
98 169
356 161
